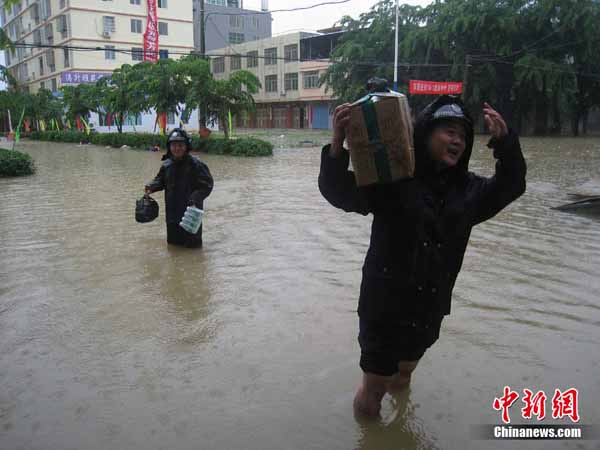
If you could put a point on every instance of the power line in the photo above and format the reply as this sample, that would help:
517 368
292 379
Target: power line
224 55
543 69
300 8
369 63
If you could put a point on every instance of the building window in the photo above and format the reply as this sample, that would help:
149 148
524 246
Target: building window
236 38
43 85
236 21
270 56
137 54
62 4
271 83
50 61
133 120
136 25
49 34
163 54
252 59
291 81
62 26
311 79
255 23
290 52
67 58
163 28
41 61
53 84
108 24
109 52
171 118
162 3
235 63
219 65
134 2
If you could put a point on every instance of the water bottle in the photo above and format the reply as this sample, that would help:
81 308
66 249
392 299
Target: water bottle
192 219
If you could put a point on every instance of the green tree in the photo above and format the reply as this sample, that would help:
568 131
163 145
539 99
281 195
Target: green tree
199 85
164 85
537 61
367 49
232 95
120 95
79 101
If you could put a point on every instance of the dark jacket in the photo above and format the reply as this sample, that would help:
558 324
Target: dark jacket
186 182
421 226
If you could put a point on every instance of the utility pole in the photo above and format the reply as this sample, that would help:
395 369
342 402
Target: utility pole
466 77
202 31
396 52
201 107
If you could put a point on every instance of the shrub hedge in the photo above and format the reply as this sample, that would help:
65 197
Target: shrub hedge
14 163
220 146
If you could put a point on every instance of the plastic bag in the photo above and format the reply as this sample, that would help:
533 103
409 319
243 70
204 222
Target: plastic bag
146 209
192 219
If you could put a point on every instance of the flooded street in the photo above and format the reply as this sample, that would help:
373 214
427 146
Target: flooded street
110 339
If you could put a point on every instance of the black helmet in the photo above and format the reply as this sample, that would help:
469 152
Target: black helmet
146 209
179 135
377 84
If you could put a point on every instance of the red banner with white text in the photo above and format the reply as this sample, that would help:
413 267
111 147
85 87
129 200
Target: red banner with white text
434 87
151 33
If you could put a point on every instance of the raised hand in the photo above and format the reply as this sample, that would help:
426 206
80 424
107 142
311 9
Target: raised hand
341 118
494 121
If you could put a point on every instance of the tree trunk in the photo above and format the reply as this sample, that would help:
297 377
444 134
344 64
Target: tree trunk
505 104
556 127
225 125
585 121
120 123
540 127
575 124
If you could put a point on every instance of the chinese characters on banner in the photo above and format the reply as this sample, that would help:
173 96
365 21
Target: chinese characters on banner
151 33
434 87
81 77
564 404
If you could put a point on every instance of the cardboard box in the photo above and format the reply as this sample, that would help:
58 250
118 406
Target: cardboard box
380 139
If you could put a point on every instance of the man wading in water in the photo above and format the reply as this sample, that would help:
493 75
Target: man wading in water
186 181
419 234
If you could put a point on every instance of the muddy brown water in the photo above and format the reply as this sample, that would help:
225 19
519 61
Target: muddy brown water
110 339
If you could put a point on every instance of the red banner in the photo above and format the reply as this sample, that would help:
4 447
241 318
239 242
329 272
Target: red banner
151 33
434 87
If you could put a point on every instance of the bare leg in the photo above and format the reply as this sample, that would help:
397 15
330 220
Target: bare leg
367 401
401 380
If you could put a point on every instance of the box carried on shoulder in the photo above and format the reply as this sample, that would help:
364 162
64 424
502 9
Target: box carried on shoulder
380 138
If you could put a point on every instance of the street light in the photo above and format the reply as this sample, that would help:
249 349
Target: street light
396 51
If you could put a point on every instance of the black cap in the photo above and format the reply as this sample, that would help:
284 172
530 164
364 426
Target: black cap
451 111
177 135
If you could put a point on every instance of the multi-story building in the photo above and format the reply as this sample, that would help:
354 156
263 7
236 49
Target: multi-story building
227 22
114 28
289 68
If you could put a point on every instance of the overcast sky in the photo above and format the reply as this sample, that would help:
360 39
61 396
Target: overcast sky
317 18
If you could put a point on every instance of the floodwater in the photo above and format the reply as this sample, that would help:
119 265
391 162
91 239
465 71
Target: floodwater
110 339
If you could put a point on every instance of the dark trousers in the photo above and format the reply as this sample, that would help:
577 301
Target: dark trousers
178 236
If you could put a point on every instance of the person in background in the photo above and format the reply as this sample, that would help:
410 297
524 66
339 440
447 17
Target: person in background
186 181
